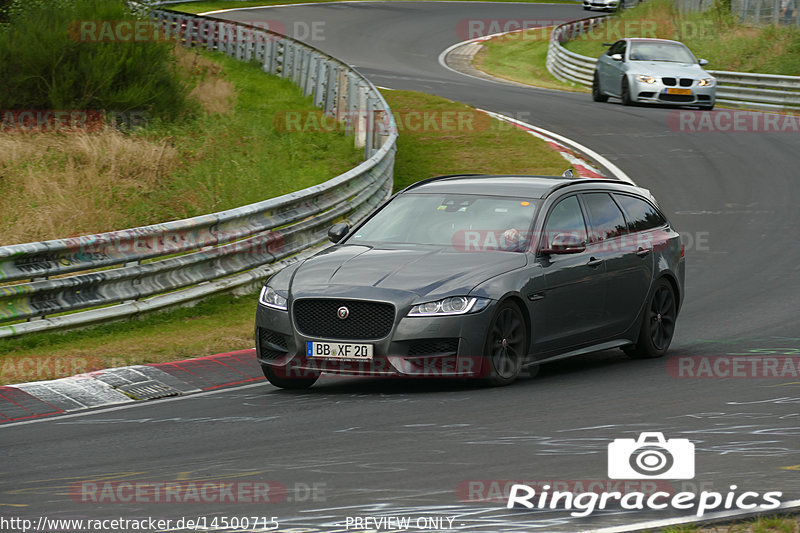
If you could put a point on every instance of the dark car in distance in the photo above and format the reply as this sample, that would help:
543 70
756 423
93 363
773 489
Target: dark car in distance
477 276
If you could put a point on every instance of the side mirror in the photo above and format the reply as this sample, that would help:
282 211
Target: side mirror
702 62
616 57
337 232
565 243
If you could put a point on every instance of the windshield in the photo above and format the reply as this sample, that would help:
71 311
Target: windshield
659 51
459 221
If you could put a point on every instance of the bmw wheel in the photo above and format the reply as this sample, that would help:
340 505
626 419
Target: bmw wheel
506 345
597 95
279 376
626 92
658 323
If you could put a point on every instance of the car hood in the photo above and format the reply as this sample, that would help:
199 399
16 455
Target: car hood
668 68
426 271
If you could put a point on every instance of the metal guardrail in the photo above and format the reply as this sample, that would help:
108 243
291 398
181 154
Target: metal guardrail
117 274
733 88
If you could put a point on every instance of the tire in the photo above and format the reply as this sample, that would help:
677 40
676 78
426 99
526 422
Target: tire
281 380
658 323
597 96
626 92
506 345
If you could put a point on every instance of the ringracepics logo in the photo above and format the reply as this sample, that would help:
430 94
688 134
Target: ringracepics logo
651 456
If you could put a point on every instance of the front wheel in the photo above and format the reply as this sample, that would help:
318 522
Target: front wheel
597 94
626 92
279 376
506 345
658 323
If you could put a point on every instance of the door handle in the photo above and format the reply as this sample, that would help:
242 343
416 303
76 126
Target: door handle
594 262
642 252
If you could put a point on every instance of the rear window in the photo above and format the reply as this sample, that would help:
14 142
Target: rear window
641 214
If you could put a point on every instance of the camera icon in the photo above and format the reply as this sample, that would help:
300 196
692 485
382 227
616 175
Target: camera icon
651 457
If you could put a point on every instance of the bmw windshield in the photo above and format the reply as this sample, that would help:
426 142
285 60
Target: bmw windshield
658 51
451 220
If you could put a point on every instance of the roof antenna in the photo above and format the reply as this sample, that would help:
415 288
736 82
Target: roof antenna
567 173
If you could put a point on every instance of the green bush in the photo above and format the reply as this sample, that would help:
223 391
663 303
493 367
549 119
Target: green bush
45 64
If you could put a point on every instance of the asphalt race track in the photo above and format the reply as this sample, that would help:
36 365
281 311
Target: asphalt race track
369 447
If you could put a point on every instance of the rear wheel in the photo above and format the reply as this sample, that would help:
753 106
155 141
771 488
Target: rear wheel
279 376
626 92
506 345
658 323
597 95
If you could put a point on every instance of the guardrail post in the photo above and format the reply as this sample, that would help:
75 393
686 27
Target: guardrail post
361 116
319 90
341 96
369 136
331 86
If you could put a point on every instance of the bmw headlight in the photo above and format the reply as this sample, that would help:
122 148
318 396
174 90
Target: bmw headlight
706 82
455 305
271 298
646 79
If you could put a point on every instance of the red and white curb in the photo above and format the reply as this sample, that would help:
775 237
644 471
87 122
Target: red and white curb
575 153
116 386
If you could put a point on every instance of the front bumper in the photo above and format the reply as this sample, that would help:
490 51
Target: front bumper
659 93
600 4
432 347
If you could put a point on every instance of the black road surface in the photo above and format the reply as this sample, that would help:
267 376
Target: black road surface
354 448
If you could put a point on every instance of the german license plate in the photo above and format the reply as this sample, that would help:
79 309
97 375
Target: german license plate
679 91
339 350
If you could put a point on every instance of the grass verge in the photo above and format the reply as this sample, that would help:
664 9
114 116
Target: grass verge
231 154
203 7
521 57
225 323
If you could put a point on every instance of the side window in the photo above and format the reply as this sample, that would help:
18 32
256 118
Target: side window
641 214
566 217
605 218
617 48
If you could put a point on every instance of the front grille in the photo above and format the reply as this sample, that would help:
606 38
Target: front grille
669 81
686 82
366 320
433 347
676 97
646 94
272 345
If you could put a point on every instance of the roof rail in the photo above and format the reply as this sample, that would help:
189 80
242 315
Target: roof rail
580 181
447 176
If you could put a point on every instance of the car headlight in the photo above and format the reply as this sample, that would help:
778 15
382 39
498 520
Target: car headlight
706 82
455 305
272 299
646 79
